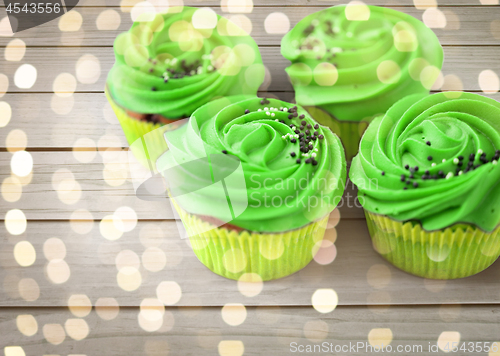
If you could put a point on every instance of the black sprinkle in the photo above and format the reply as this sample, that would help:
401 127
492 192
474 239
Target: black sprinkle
247 111
428 143
383 173
290 116
460 163
460 158
321 137
472 156
282 121
415 184
416 168
403 178
314 162
292 154
302 116
293 140
298 160
408 182
404 188
427 172
301 135
301 128
291 125
153 89
297 131
165 80
308 160
224 151
311 147
313 138
303 123
150 70
411 176
309 126
308 132
316 126
316 133
407 166
441 173
429 158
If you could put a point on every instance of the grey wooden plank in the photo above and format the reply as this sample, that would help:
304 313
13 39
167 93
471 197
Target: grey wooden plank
465 25
103 185
264 331
358 275
466 62
83 127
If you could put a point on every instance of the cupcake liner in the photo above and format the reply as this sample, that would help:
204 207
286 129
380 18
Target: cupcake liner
350 132
152 144
458 251
232 254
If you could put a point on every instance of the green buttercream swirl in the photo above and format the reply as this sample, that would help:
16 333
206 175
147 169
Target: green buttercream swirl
274 192
435 133
224 60
355 61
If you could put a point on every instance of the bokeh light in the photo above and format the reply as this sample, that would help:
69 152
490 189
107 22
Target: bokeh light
15 50
357 11
79 305
64 85
70 21
446 339
378 276
4 86
234 314
21 163
489 81
250 284
29 289
25 76
81 221
169 292
127 258
26 324
154 259
16 141
108 20
380 337
11 189
58 271
54 333
77 329
231 348
15 222
107 308
324 300
434 18
24 253
316 330
129 279
277 23
88 69
108 228
14 351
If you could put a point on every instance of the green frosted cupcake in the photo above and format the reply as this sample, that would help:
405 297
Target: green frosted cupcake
429 180
351 63
254 182
169 64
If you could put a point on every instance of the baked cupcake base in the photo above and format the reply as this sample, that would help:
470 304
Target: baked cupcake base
251 255
349 132
153 144
458 251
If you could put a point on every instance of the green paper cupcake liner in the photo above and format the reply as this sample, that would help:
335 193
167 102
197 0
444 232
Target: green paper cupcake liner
350 132
152 144
458 251
233 254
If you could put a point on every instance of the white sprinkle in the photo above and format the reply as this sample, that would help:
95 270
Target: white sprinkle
281 107
165 74
167 61
479 151
444 160
433 164
316 150
283 137
276 120
336 49
268 113
259 110
273 114
449 175
455 160
285 109
192 72
265 109
460 173
174 61
494 162
296 136
210 68
313 155
294 128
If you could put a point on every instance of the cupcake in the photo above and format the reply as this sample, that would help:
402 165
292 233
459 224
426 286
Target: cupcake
254 182
429 183
351 63
169 64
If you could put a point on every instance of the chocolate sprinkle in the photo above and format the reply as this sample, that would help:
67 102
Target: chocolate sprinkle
428 143
314 162
247 111
153 89
403 178
302 116
224 151
308 160
298 160
407 166
321 137
316 126
293 140
415 184
290 116
303 123
292 154
383 173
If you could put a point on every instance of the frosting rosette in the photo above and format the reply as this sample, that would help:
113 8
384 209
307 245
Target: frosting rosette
433 159
172 63
355 61
261 164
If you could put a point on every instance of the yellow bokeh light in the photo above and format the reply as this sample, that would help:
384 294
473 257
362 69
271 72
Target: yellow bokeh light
152 309
5 113
88 69
169 292
154 259
424 4
357 11
322 254
241 21
234 260
107 308
234 314
378 276
238 6
70 21
84 150
431 77
81 221
325 74
250 284
5 29
149 325
54 333
277 23
316 330
452 82
108 20
11 189
77 329
15 222
28 289
58 271
231 348
388 72
434 18
143 11
129 279
125 219
300 74
446 339
62 105
26 324
14 351
204 18
21 163
324 300
79 305
64 85
380 338
25 76
15 50
108 229
489 81
24 253
127 258
16 141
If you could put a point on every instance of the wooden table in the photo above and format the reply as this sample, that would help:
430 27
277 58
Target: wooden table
74 284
